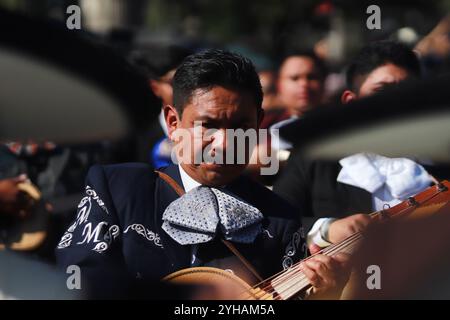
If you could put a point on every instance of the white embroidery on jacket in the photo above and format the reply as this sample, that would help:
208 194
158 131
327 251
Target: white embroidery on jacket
148 234
291 249
65 241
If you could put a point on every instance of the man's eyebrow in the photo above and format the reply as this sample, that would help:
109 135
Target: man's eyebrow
207 119
386 83
293 75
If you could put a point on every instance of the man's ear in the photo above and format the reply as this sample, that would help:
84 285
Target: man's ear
172 119
348 96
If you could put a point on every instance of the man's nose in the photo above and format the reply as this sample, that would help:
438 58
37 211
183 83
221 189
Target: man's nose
219 140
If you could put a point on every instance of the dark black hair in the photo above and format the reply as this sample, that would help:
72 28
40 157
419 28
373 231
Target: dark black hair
377 54
211 68
318 62
154 61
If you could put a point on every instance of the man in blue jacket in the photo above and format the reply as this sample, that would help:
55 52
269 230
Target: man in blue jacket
133 228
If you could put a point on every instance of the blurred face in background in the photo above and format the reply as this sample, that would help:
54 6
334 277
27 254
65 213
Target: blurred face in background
300 84
162 87
376 81
382 77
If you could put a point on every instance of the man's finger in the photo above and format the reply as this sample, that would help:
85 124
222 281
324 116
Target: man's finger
324 273
314 248
363 221
311 275
342 258
327 260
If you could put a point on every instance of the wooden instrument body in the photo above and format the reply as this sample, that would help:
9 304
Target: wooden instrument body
224 284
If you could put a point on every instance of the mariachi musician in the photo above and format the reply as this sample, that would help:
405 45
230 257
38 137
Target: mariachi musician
133 228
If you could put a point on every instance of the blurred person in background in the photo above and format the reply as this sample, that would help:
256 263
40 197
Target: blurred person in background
40 184
379 65
300 82
326 192
158 63
299 85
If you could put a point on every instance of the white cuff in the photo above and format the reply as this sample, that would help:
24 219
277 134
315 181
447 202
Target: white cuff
315 234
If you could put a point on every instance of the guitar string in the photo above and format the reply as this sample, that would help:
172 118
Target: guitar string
287 274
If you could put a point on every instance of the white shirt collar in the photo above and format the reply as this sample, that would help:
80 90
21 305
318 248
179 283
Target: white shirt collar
162 123
278 143
188 182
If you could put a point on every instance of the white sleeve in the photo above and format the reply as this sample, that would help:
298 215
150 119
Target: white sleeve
315 234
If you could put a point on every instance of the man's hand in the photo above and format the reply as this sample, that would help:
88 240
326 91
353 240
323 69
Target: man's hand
343 228
327 275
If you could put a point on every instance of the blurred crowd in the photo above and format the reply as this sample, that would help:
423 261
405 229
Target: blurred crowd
41 183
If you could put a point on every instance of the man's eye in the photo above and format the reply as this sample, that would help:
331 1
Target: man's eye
379 89
385 86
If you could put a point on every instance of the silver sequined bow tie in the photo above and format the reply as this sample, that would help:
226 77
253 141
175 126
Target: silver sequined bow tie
198 214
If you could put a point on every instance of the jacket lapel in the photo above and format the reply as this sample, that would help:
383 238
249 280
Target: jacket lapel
178 255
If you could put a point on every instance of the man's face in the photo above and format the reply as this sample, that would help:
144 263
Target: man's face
216 108
382 77
300 86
